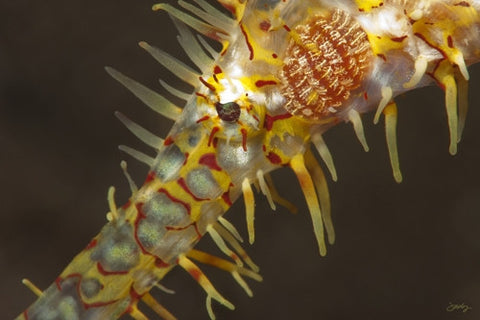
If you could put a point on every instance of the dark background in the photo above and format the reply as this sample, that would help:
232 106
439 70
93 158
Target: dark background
403 251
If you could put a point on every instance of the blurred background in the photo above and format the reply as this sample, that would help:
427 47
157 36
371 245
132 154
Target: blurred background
403 251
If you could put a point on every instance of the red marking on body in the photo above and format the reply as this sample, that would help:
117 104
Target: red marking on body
108 273
195 274
419 35
126 205
274 56
186 157
168 141
215 78
263 83
203 119
140 216
244 138
398 39
226 198
134 294
134 298
450 41
184 186
199 235
159 263
287 28
25 314
249 45
215 142
365 95
226 195
212 135
229 7
86 306
439 84
150 177
194 224
58 283
59 280
206 84
381 55
186 205
217 70
274 158
91 244
265 25
210 160
201 95
269 120
98 304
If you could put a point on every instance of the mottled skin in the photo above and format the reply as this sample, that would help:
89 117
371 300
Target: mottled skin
203 162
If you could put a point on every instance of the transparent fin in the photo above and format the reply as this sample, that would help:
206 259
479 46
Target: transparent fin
214 53
213 20
298 166
445 76
146 136
202 27
203 281
458 59
387 95
219 17
223 246
29 284
421 64
157 307
131 183
325 154
277 197
391 113
231 228
249 199
176 67
322 192
140 156
225 265
242 283
265 189
164 289
236 246
462 86
356 120
192 48
174 91
153 100
222 264
113 214
136 314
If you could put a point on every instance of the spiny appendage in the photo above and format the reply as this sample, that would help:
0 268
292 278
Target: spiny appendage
327 58
443 27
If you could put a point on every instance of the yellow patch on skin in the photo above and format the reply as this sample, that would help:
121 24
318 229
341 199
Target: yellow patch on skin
382 44
368 5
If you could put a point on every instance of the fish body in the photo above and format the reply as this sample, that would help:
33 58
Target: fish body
287 72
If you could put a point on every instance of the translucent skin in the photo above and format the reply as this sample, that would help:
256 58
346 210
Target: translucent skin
138 257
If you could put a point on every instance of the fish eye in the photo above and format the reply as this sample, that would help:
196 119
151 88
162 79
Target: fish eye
229 112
